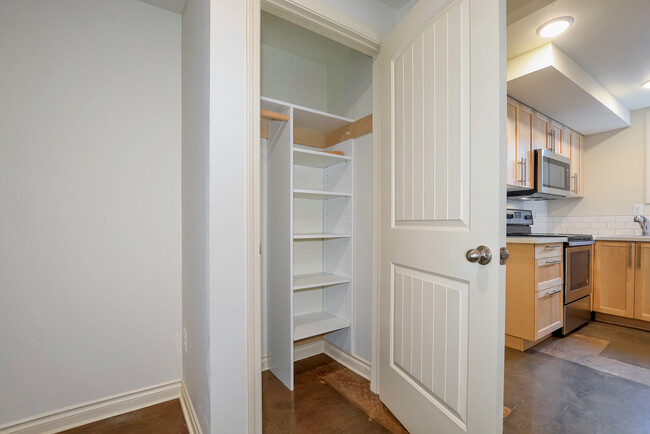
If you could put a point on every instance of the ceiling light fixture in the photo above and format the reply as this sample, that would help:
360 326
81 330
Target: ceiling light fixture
646 84
554 27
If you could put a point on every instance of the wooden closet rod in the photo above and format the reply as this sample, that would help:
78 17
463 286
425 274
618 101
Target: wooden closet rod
268 114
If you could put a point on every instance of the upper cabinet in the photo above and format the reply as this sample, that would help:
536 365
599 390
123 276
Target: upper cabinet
528 130
520 157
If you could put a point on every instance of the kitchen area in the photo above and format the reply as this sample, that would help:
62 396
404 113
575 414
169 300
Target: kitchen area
578 234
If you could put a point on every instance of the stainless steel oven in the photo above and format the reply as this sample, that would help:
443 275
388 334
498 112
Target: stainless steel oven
577 272
578 264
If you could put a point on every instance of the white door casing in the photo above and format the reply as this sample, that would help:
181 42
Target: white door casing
443 100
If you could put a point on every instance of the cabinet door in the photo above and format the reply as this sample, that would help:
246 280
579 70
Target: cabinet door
541 138
581 170
642 282
512 177
564 148
576 164
525 144
614 278
555 138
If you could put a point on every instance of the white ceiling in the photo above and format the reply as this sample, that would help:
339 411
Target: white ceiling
609 39
396 4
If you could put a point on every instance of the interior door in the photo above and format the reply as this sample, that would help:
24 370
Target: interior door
443 131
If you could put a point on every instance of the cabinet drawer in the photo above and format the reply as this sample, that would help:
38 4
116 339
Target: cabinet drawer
548 311
548 269
548 250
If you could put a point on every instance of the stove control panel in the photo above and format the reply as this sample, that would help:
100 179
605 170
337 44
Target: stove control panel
521 217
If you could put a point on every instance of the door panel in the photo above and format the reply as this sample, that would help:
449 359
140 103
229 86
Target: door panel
642 284
441 117
614 278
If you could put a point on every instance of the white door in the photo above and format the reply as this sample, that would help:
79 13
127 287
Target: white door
442 108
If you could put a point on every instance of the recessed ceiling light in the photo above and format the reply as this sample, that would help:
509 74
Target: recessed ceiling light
554 27
646 84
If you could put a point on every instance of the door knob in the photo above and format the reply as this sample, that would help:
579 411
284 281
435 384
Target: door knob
481 254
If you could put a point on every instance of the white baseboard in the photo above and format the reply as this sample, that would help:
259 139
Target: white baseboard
92 411
300 352
353 363
192 421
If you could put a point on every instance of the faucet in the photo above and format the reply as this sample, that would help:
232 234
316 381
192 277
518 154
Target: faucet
644 223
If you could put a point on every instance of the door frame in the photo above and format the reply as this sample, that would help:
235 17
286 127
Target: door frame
347 33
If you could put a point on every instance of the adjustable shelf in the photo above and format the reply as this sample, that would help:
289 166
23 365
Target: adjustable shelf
317 280
305 157
299 193
314 324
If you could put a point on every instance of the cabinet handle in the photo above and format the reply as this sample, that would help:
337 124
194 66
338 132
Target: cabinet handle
576 183
553 247
525 170
520 168
638 255
557 261
629 255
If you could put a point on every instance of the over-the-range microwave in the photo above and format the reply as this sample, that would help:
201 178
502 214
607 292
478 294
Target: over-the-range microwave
552 178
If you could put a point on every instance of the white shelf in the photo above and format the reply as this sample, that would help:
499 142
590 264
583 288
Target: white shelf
316 194
317 280
319 236
314 324
305 157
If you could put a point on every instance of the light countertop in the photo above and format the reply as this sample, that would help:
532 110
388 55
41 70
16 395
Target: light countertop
535 240
633 238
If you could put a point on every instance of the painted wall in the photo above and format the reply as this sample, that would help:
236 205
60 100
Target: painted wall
349 85
196 191
228 320
615 173
293 79
90 221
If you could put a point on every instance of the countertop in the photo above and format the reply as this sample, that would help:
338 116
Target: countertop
536 240
633 238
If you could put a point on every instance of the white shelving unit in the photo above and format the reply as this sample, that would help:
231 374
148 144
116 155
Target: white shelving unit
309 236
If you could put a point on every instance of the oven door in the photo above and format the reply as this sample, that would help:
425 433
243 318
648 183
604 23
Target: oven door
577 281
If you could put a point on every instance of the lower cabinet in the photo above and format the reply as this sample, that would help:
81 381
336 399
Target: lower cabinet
534 284
614 269
642 283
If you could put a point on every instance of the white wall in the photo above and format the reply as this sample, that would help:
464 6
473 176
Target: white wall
349 85
196 191
615 173
228 321
90 221
293 79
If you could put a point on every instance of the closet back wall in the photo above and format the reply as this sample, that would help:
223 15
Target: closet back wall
90 250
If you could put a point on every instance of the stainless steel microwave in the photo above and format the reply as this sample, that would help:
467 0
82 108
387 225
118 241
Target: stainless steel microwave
552 177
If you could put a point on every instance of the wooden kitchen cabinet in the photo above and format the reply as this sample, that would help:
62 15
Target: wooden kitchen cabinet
614 278
564 142
541 138
555 132
534 286
577 163
642 282
520 161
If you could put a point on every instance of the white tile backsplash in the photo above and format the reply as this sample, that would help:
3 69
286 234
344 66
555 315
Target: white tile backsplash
594 225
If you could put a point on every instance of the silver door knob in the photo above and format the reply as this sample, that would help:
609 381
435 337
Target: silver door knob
481 254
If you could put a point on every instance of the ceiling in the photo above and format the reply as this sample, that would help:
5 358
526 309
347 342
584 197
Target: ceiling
396 4
171 5
609 39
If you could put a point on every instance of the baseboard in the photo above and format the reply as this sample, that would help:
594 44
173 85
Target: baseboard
192 421
353 363
299 352
92 411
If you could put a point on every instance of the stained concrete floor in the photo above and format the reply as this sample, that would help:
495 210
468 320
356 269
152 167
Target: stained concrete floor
596 380
327 398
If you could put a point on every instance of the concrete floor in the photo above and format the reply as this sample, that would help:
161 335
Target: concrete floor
595 380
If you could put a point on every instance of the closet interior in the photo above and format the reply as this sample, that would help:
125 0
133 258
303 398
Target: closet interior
316 196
